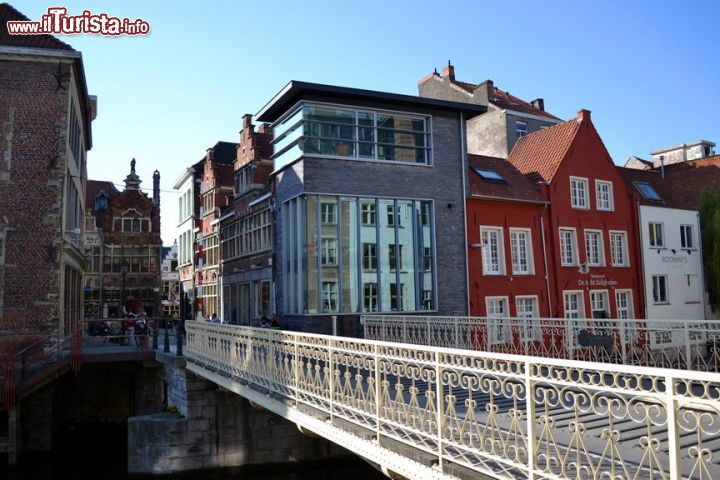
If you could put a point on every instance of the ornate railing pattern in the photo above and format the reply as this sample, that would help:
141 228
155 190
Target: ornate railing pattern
685 344
507 416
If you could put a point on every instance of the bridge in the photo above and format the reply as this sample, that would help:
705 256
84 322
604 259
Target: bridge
440 413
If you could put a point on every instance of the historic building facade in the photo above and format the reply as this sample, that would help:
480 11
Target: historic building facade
246 230
123 250
369 192
45 117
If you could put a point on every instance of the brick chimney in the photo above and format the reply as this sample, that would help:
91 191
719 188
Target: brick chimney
449 71
539 104
247 120
156 188
583 115
484 92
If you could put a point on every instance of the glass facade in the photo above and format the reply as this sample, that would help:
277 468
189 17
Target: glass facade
339 258
328 130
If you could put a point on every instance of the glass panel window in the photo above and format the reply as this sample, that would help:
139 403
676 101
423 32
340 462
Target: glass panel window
393 259
618 249
599 304
568 249
368 213
604 195
687 240
520 249
370 297
579 192
655 231
330 296
497 312
492 250
369 257
394 295
329 251
521 129
660 289
594 248
328 213
527 309
573 306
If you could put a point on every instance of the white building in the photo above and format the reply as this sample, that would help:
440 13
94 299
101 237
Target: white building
671 249
185 185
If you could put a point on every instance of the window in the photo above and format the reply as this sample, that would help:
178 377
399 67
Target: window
248 235
521 129
243 180
655 231
527 308
568 255
618 249
329 251
492 251
579 192
491 175
427 299
599 304
368 213
369 258
427 258
497 312
394 295
521 251
686 237
623 299
604 195
352 133
391 218
370 297
327 213
329 291
573 305
660 289
394 259
647 191
101 201
594 248
265 298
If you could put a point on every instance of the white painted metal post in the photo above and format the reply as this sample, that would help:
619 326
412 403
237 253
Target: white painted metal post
457 334
439 408
524 336
688 352
334 320
331 382
377 394
297 372
623 340
530 410
671 407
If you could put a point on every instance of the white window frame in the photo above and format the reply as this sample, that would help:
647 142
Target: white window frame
613 252
600 248
684 228
326 214
654 227
601 202
529 331
514 249
656 286
573 246
574 200
370 302
328 245
498 331
573 323
330 295
605 295
487 250
521 132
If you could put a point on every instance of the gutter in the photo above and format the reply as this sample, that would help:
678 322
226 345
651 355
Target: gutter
463 153
547 278
513 200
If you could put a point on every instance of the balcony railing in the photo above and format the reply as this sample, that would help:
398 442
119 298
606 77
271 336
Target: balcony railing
684 344
506 416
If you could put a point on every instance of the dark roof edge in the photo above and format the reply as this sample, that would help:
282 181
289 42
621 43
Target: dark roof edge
508 199
286 96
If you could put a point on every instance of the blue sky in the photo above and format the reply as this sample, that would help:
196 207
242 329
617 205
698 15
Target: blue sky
649 71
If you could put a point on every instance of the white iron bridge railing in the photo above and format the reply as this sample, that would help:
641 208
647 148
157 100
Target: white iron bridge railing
684 344
505 416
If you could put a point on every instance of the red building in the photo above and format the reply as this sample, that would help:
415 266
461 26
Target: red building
591 228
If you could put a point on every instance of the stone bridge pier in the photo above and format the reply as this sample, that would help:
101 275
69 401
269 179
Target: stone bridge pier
205 427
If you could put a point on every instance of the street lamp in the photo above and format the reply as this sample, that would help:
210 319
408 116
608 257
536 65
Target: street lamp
124 267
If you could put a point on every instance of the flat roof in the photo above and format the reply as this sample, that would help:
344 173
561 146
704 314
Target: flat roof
296 90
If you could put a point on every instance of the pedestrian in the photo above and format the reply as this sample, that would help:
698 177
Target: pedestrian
214 318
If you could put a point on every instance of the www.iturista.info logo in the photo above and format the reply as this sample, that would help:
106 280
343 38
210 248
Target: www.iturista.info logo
57 21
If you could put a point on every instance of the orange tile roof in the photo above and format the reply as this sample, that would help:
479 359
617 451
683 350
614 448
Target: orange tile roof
515 188
539 154
504 100
9 13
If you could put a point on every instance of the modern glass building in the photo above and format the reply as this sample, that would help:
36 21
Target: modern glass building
369 203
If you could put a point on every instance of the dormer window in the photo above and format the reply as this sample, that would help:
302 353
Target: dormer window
101 201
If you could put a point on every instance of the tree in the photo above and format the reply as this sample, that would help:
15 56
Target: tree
710 228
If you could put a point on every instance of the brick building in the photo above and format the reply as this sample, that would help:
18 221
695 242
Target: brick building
246 231
45 115
508 118
123 249
170 282
370 204
593 249
215 191
506 217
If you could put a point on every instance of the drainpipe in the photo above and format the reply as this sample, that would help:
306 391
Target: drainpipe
463 153
547 278
640 243
702 266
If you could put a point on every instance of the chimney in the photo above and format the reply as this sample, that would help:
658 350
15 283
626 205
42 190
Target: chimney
156 188
247 120
449 71
538 104
583 115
